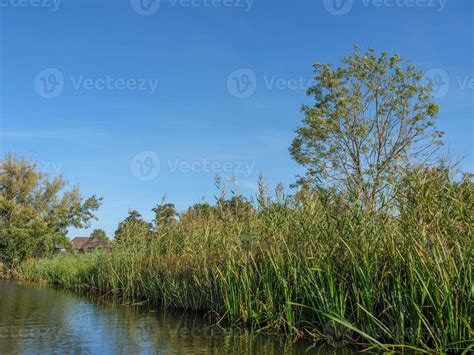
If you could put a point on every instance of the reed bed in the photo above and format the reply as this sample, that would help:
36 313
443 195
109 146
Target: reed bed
312 265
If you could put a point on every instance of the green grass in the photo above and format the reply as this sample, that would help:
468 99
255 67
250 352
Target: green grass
309 265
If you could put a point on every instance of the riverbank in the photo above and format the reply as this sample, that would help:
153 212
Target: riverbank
304 266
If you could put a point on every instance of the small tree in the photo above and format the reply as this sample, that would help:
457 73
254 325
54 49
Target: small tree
372 117
202 209
165 214
133 231
36 212
99 234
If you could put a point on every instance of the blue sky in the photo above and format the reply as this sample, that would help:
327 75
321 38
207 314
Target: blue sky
136 100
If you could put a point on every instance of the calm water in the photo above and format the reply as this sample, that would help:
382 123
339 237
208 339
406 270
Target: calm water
35 319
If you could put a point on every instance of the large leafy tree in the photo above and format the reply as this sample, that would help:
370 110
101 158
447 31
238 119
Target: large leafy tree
36 211
372 117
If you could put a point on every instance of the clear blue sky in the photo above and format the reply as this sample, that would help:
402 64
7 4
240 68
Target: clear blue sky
224 82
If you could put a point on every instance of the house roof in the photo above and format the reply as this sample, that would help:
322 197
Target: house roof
86 243
94 242
79 242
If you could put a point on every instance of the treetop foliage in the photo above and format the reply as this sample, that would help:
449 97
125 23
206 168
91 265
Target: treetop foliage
36 210
372 117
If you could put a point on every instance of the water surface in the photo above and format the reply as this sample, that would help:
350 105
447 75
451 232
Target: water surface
36 319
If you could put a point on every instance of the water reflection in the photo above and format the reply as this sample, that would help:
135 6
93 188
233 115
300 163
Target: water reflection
35 319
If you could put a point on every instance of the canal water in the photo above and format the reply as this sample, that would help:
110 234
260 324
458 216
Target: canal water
41 320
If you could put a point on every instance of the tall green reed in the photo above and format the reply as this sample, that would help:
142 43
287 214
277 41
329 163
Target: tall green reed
311 264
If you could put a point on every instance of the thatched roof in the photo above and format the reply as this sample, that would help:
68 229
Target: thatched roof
79 242
86 243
